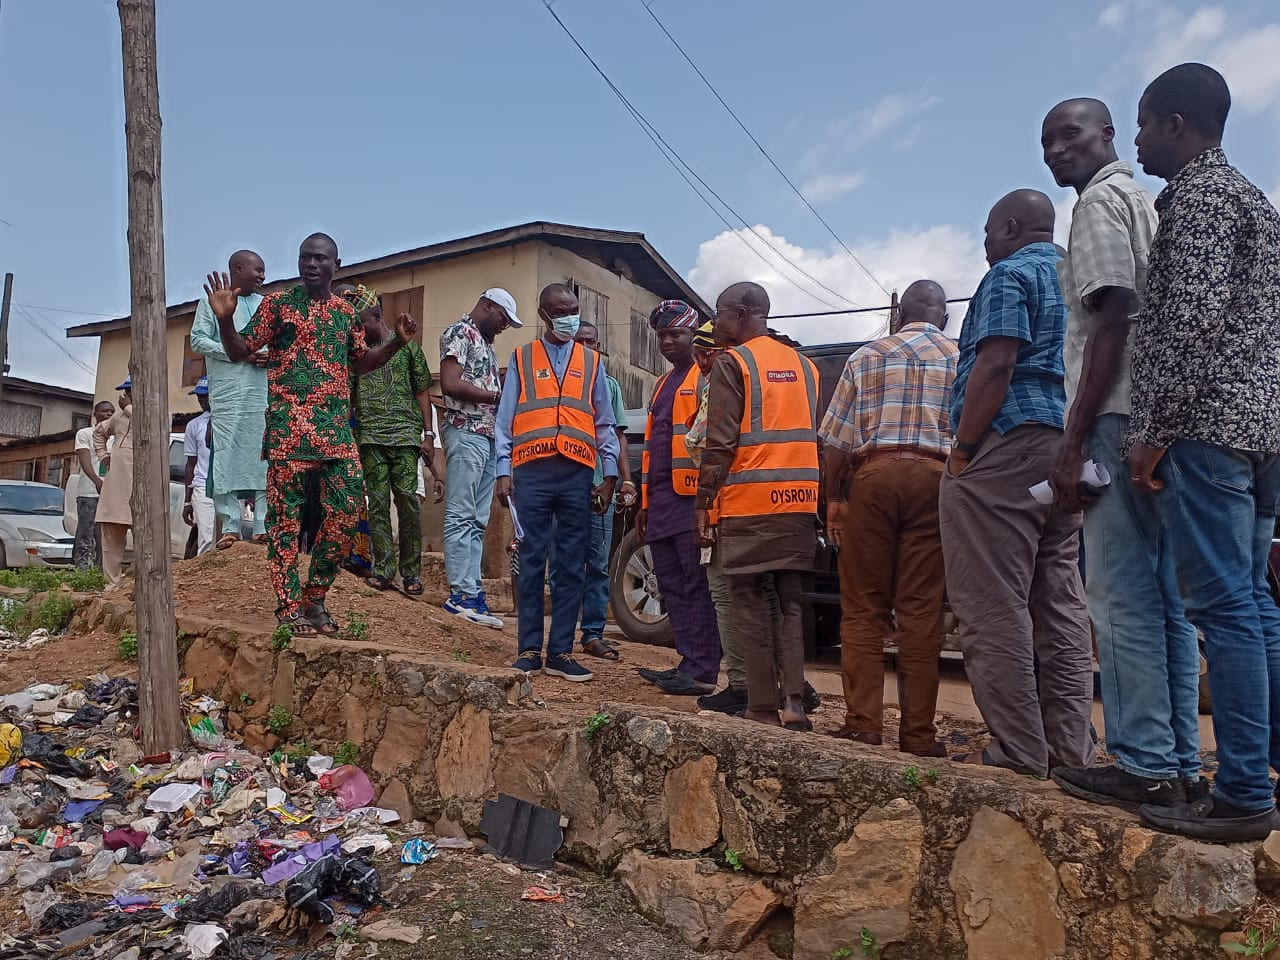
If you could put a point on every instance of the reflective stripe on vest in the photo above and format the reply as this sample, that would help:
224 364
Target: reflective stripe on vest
684 407
775 469
554 417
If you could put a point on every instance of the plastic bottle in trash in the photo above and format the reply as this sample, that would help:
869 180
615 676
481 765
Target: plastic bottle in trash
351 785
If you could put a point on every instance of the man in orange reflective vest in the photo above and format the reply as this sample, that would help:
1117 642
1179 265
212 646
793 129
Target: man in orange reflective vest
761 460
554 415
665 521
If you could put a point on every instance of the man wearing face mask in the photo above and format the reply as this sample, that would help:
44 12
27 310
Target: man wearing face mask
554 416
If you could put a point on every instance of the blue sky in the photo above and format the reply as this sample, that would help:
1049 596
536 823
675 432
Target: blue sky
414 122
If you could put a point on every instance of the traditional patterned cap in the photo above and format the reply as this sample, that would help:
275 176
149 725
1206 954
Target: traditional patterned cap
361 298
673 313
705 338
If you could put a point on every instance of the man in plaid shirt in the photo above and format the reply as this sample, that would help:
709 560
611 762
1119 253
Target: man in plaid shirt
886 436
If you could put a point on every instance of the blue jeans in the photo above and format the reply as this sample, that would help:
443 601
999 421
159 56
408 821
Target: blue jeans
595 593
470 460
553 497
1219 510
1147 649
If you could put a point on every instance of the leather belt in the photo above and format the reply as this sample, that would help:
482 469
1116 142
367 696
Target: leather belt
901 454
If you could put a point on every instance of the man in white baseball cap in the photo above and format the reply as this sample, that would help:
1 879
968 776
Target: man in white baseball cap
471 389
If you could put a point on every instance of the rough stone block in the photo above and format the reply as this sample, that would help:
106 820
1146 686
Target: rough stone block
208 664
1006 892
690 898
870 886
465 756
1205 885
692 815
404 741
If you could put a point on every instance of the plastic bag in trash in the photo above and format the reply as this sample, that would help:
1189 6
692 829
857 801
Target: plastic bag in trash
203 939
68 914
330 876
51 755
10 744
36 902
351 785
417 851
216 904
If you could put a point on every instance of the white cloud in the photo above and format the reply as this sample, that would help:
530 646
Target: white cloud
952 257
831 186
843 138
1063 208
1113 16
1248 55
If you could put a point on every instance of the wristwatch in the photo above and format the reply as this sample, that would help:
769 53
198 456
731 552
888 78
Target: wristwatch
967 449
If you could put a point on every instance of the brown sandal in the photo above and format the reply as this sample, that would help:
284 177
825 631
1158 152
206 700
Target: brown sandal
602 648
226 540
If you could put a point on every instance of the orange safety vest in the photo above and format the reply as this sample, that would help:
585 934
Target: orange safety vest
554 418
684 407
775 469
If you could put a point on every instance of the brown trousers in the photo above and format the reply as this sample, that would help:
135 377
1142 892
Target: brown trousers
1013 578
891 570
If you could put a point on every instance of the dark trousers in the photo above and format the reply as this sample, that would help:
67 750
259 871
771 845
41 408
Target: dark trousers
553 497
683 582
87 551
773 647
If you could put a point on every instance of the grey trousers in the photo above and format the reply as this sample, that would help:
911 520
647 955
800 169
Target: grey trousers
721 596
773 647
86 552
1013 579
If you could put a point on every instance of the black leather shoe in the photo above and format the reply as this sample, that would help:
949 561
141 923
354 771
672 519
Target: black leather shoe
653 676
1214 821
810 699
1118 788
729 700
683 685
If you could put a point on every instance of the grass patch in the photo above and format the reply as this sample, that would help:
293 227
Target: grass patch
127 646
597 722
347 753
53 613
281 637
45 579
279 719
357 627
733 858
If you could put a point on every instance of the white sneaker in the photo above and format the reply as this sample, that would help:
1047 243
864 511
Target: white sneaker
477 611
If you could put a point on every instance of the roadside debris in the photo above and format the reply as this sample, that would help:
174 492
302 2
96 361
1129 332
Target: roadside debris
213 852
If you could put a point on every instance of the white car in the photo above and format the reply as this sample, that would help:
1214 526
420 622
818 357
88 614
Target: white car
178 529
31 528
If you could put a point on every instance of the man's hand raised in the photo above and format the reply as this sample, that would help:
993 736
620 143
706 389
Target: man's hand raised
406 327
222 297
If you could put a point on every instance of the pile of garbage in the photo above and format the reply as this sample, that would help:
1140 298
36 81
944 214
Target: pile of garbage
111 854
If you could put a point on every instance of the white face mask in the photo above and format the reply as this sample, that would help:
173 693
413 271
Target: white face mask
564 329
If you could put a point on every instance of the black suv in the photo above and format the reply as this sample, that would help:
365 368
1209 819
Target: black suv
633 593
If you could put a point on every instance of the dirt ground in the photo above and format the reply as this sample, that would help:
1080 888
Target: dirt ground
233 587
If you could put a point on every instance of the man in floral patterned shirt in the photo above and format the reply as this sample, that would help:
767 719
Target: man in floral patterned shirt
471 388
1205 431
313 341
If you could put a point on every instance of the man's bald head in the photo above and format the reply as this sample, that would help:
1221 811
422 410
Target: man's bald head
1019 218
742 312
923 302
1078 140
247 270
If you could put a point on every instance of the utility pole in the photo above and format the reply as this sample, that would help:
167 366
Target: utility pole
894 320
161 719
4 330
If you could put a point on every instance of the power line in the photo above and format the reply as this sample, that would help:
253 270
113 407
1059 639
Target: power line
673 156
78 313
834 313
39 328
648 6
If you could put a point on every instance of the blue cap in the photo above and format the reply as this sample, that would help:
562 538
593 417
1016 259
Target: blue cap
127 385
202 387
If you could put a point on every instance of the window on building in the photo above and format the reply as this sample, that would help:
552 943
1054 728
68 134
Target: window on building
593 307
644 345
402 301
192 364
54 471
79 421
19 419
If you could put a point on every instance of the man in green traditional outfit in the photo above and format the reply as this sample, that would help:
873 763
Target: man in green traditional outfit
393 428
237 400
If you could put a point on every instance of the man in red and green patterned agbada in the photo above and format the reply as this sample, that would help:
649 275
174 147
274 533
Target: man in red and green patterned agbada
313 340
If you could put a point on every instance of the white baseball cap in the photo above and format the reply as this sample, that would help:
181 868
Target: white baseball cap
506 301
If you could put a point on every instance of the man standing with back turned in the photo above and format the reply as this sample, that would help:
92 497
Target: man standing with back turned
313 343
1147 651
886 436
1205 431
237 399
761 460
1013 574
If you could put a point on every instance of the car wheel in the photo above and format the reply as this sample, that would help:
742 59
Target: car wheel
635 597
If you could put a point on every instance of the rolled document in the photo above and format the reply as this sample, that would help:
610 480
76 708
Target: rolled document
1094 478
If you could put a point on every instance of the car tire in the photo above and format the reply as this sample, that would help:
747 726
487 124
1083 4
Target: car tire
634 596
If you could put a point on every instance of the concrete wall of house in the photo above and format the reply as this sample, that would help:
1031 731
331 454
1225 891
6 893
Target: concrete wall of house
33 413
113 364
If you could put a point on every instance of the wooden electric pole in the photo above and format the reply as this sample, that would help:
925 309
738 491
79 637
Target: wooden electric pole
161 718
4 329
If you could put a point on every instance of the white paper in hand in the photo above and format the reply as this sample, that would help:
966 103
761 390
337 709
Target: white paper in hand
1092 474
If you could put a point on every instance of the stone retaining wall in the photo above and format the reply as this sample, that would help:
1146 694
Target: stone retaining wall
933 862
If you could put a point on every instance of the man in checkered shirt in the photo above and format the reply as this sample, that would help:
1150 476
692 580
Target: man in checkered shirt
886 437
